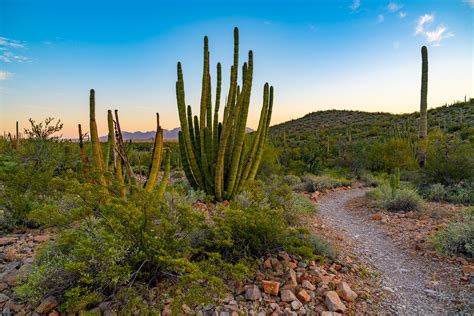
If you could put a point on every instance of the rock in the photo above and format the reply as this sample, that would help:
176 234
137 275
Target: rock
166 312
377 217
267 264
24 271
468 269
10 277
186 309
296 305
271 287
334 303
290 279
292 265
252 293
344 290
54 313
304 296
308 285
7 240
326 313
387 289
3 298
3 286
6 312
41 238
287 296
47 305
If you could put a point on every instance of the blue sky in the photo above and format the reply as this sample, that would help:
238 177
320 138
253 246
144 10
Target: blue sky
339 54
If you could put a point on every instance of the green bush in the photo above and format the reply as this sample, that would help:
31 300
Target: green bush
312 183
405 199
437 192
291 180
458 237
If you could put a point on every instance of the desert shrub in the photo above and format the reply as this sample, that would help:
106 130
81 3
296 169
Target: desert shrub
404 199
460 193
312 183
458 237
110 245
450 160
437 192
291 180
372 180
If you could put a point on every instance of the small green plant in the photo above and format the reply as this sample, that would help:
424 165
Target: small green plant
437 192
312 183
458 237
405 199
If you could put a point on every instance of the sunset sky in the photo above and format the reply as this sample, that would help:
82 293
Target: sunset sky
333 54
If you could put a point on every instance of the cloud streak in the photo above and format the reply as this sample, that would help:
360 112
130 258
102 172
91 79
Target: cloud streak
433 36
394 7
5 75
355 5
8 49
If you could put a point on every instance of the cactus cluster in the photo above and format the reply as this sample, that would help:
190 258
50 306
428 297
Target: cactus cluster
214 156
116 159
423 107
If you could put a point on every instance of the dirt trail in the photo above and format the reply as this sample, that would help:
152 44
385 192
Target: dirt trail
403 276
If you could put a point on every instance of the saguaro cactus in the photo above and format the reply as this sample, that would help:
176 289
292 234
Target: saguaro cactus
116 145
423 108
212 152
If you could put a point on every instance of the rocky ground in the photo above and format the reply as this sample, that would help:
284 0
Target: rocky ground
384 267
413 280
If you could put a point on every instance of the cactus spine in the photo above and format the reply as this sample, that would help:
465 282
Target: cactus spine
212 152
423 108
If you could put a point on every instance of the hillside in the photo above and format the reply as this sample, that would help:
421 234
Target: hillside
358 124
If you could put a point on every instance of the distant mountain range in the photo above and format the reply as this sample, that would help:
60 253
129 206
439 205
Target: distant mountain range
149 136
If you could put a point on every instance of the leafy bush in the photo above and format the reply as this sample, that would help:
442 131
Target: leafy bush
312 183
110 245
405 199
291 180
458 237
437 192
371 179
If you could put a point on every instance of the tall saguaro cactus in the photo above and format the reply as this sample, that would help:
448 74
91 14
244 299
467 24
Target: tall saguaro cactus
423 108
213 153
116 146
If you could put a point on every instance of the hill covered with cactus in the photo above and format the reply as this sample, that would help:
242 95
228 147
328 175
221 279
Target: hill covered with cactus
369 125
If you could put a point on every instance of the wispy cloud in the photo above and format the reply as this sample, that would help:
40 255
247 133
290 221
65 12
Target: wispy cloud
394 7
432 36
5 75
380 18
422 20
469 3
355 5
402 14
9 49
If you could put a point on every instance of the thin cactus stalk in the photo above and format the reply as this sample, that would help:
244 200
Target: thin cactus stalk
117 147
82 152
96 147
423 108
17 138
214 158
156 157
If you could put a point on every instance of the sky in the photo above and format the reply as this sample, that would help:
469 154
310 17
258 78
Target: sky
332 54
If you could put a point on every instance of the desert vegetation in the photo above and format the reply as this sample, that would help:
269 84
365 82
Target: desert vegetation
208 223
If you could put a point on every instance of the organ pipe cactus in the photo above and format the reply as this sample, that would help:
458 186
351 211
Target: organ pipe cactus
116 147
212 151
423 108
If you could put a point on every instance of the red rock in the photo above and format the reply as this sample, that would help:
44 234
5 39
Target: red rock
334 303
304 296
292 265
54 313
377 217
344 290
47 305
287 296
271 287
468 269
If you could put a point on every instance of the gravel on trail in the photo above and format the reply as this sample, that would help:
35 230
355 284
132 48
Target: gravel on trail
403 277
